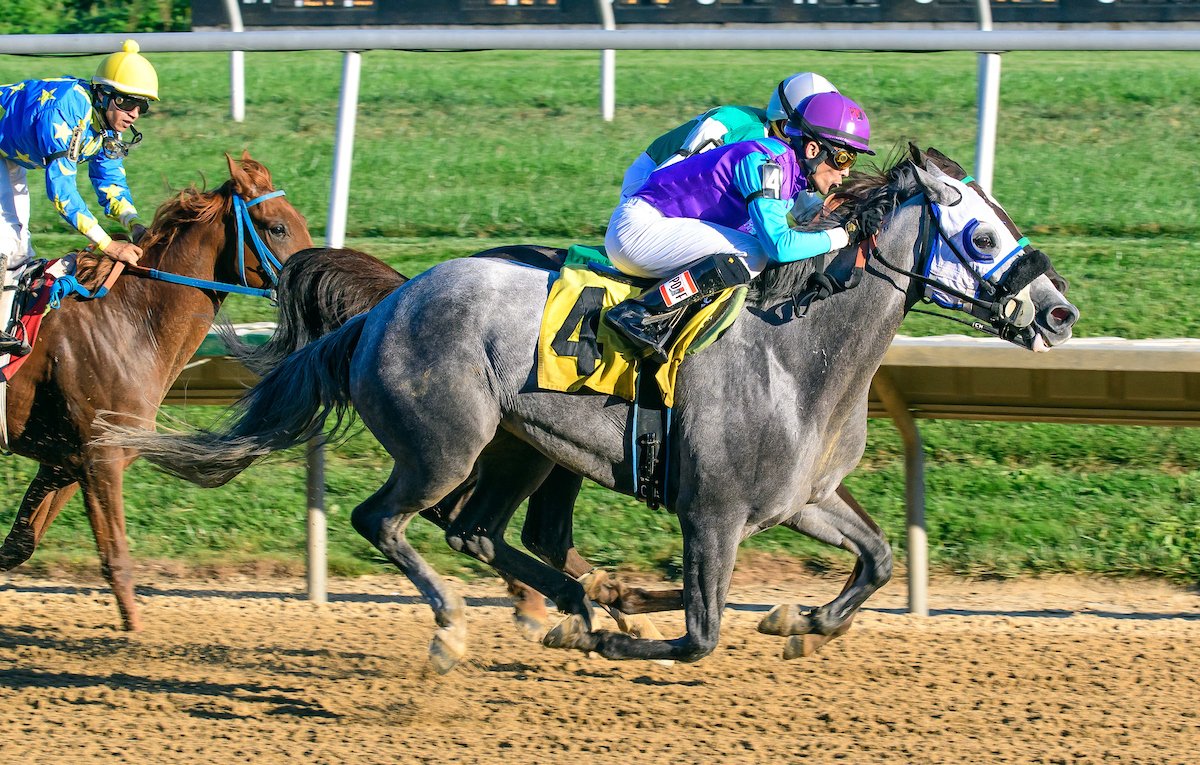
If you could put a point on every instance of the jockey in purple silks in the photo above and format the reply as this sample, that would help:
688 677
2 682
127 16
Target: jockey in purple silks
717 219
723 125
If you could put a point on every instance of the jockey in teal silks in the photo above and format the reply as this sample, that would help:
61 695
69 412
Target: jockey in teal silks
727 124
717 219
59 124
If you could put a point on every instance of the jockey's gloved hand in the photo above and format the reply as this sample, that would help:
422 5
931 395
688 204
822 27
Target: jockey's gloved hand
838 238
136 232
870 220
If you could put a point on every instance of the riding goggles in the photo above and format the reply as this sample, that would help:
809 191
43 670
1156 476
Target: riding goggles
128 103
842 159
114 147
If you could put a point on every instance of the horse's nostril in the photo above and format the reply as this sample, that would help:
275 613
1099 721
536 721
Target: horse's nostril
1062 316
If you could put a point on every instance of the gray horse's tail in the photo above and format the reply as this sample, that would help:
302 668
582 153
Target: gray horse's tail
288 407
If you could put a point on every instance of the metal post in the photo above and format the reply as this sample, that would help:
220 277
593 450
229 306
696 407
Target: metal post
237 66
914 492
335 236
343 150
608 64
988 98
317 538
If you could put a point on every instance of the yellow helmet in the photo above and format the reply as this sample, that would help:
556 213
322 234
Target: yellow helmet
128 71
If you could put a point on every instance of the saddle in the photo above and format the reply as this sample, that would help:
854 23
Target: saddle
577 352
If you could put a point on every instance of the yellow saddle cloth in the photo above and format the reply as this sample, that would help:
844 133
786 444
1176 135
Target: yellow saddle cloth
577 351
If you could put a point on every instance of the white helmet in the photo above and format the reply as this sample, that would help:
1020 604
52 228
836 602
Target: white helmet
794 90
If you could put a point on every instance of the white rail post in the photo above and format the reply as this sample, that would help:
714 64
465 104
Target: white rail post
988 98
317 538
608 64
335 236
914 491
237 66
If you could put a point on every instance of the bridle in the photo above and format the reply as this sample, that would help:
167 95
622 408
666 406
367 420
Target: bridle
1002 307
270 264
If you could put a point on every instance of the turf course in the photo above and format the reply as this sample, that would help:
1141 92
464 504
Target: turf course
457 152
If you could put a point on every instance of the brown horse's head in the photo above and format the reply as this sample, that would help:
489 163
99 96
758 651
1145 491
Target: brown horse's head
281 228
278 224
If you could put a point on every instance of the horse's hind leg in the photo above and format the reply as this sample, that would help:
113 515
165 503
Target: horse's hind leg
382 522
839 521
547 533
46 496
508 471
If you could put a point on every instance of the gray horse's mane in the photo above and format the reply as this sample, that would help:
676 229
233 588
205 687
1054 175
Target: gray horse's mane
872 187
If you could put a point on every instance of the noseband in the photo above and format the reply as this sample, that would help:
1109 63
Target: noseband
1000 309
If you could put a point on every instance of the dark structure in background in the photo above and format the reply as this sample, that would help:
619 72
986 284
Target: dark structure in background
367 13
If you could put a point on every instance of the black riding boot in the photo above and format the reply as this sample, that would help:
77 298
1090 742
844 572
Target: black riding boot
10 344
649 320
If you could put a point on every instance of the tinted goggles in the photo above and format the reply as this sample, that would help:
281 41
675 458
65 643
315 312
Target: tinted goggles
842 159
127 103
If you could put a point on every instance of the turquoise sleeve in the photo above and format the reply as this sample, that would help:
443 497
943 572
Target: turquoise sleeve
769 217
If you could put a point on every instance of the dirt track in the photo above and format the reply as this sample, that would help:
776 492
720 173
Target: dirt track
245 671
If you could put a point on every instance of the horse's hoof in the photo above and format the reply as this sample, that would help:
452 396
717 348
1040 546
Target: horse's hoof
798 646
783 619
530 628
446 649
568 633
640 627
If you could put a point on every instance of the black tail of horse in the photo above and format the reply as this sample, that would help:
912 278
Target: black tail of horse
319 290
288 407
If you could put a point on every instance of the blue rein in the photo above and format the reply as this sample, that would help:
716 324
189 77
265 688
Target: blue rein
67 285
266 258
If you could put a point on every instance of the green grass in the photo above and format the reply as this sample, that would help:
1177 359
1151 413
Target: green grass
1096 161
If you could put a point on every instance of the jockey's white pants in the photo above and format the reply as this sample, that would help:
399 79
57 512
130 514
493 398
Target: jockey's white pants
15 247
641 241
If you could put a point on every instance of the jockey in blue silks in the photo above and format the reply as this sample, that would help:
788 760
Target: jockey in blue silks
59 124
717 219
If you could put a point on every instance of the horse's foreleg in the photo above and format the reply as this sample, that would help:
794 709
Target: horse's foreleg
839 521
102 485
46 496
547 533
709 553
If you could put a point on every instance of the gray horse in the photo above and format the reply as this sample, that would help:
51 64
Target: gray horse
767 421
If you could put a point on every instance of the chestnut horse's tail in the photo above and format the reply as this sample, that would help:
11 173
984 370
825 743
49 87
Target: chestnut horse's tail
319 290
288 407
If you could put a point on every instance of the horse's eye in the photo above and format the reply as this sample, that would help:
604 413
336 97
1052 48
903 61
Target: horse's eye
278 230
983 241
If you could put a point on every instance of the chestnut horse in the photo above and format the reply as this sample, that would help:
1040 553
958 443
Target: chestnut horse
120 355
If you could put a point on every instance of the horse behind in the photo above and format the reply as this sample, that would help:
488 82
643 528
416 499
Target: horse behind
120 355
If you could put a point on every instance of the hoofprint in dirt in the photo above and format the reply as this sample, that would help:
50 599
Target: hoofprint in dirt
244 669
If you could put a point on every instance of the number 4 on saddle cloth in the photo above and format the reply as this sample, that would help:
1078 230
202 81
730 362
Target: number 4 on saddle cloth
578 352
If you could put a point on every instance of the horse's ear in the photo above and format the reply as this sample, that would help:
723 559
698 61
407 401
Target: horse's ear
945 164
934 182
243 184
914 151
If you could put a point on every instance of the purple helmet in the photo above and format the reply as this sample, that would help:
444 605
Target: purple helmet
834 118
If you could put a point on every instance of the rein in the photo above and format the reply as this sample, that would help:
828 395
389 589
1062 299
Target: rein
271 264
